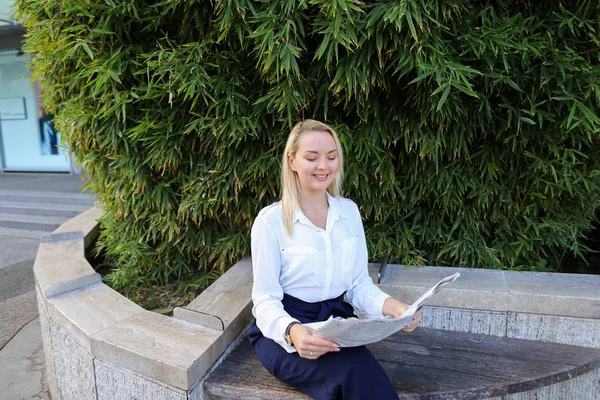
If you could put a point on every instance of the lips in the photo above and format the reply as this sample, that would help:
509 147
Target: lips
322 177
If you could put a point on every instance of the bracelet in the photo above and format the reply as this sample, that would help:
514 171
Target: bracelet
286 335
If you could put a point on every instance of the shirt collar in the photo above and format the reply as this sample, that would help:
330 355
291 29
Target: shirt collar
334 213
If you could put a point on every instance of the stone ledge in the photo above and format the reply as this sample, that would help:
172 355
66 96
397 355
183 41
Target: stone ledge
86 222
545 293
165 349
111 328
89 310
61 266
226 305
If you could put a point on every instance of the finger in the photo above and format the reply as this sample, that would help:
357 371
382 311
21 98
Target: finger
317 349
321 342
311 355
321 349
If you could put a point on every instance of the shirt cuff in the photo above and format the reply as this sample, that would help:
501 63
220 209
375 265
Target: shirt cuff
282 325
378 304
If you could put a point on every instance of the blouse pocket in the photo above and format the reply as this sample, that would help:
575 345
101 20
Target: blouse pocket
299 265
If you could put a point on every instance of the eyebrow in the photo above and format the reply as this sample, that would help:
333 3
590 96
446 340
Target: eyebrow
316 152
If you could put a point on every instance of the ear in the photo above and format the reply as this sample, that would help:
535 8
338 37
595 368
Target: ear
291 162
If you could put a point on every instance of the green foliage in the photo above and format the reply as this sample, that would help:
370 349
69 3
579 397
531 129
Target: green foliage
471 127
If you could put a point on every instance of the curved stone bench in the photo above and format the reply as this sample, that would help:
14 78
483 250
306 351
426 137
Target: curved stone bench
435 364
100 345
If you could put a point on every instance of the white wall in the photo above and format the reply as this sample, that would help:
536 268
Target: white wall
21 139
5 8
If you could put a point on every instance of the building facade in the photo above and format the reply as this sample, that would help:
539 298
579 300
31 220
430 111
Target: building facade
28 140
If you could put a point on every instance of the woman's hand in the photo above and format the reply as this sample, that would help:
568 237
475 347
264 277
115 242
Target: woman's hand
308 345
395 308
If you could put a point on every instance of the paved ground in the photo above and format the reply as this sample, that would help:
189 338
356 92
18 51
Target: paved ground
22 364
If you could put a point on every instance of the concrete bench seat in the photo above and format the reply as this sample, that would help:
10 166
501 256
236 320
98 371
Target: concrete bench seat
100 345
428 364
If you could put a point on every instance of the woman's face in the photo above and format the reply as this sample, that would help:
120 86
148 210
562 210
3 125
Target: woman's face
316 162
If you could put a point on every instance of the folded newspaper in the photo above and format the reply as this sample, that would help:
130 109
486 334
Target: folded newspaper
351 332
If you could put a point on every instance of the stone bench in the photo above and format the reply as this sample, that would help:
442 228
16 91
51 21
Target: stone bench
99 345
433 364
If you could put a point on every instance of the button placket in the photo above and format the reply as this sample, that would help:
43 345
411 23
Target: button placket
329 269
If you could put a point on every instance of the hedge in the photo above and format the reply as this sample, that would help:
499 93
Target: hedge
471 127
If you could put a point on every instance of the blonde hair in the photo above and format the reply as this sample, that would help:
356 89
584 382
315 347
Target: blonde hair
290 187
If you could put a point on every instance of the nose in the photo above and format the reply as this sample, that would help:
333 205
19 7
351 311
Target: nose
322 163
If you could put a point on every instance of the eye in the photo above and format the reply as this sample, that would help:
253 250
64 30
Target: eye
311 159
331 158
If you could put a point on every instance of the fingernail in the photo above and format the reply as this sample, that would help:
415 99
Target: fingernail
337 349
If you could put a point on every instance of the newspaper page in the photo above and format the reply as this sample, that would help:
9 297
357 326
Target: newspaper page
351 332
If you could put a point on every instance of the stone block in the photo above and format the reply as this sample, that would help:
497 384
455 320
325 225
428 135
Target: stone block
61 267
85 222
228 298
475 289
554 329
226 305
197 392
74 367
69 236
118 384
374 271
472 321
84 312
175 352
573 295
47 342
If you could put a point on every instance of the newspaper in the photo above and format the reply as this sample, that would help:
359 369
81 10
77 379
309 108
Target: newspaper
351 332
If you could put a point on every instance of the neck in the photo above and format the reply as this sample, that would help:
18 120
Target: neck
313 200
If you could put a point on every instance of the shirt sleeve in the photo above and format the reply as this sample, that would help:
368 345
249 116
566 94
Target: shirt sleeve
364 294
271 318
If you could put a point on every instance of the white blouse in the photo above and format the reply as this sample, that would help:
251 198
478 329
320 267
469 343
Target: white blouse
312 265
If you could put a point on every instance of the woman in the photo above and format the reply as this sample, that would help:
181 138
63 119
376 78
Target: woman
308 251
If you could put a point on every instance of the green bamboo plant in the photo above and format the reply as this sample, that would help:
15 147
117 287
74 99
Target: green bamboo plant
471 127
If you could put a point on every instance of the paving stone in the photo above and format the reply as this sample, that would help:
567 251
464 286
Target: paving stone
14 250
16 280
48 198
15 313
21 234
25 379
43 182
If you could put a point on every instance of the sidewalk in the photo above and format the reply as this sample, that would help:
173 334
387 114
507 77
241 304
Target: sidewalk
31 204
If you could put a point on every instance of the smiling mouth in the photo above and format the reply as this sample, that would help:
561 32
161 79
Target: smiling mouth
321 177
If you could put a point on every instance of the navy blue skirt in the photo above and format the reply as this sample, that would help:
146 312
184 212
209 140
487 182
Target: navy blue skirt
350 374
